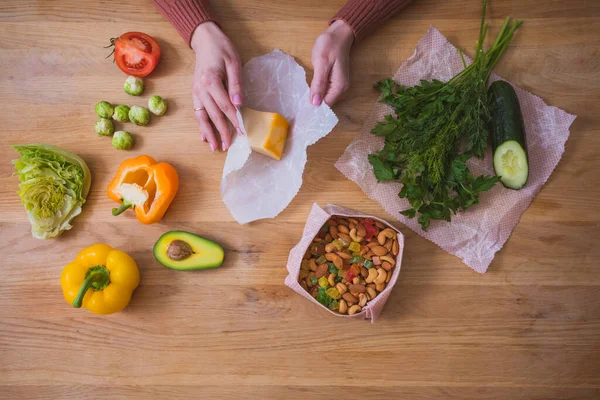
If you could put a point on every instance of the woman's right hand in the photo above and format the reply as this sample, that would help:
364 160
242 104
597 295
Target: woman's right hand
217 85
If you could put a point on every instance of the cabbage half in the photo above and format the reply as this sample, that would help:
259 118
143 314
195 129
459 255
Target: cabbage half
54 186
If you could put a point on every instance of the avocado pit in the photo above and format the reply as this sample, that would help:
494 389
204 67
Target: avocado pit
179 250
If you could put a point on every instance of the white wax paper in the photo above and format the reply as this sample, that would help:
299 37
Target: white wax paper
255 186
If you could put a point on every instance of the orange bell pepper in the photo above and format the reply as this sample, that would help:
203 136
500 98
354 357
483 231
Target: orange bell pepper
144 185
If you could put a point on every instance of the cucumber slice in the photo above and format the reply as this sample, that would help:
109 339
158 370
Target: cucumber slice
510 164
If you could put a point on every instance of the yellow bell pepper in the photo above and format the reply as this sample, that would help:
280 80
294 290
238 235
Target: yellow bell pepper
100 279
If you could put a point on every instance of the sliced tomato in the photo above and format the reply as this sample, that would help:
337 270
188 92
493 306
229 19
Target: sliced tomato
136 53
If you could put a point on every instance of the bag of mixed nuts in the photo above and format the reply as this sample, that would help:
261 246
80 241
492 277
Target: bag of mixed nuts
346 262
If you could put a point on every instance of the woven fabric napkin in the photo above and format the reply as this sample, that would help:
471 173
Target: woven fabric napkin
317 217
477 234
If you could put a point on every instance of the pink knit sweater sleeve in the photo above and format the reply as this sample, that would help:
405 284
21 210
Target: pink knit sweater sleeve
185 15
365 15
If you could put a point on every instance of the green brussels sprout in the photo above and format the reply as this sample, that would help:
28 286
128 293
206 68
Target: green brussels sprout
157 105
139 115
104 109
134 86
104 127
122 140
121 113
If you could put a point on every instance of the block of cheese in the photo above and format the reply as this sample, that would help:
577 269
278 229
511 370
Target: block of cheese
267 132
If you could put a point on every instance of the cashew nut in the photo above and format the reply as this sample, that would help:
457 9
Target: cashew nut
381 275
379 287
389 259
388 244
343 307
362 299
372 275
341 288
371 292
331 280
386 233
335 259
354 237
354 309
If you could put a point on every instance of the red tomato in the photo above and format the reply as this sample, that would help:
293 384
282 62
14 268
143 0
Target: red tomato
136 53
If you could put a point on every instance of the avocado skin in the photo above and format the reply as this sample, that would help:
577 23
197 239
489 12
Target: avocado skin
199 245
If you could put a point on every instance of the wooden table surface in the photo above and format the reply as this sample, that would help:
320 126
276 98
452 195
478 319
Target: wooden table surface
527 329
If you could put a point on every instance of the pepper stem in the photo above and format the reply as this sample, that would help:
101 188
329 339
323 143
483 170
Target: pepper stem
122 208
97 278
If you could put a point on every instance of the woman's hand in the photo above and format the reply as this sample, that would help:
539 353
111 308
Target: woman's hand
331 63
217 87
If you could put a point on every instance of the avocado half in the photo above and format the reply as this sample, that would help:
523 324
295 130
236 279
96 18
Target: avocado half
184 251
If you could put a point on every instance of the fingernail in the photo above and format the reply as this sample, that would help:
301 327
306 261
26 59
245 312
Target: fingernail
239 131
237 100
212 147
225 146
316 100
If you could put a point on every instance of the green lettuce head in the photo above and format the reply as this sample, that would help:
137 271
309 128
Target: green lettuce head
54 186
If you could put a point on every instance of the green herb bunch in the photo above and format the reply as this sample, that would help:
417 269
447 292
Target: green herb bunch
438 126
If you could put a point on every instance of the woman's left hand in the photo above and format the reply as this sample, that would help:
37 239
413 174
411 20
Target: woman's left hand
331 63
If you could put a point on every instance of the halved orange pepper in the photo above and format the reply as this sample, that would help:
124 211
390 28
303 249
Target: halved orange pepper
144 185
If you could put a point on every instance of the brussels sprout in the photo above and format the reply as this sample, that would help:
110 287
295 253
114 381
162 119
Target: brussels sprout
104 109
134 86
121 113
139 115
122 140
104 127
157 105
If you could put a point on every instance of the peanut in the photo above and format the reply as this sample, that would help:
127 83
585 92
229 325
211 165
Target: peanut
355 281
346 238
331 280
379 250
312 264
381 275
354 309
395 247
335 259
372 275
379 224
364 272
355 237
386 265
380 287
360 230
342 229
362 299
389 259
321 270
329 248
343 255
341 288
350 298
343 307
386 233
356 288
371 292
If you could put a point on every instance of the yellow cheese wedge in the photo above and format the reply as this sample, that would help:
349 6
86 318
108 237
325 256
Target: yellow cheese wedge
267 132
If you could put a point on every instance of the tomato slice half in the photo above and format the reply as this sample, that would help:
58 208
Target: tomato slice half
136 53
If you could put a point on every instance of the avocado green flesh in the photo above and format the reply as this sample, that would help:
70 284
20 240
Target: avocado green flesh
206 254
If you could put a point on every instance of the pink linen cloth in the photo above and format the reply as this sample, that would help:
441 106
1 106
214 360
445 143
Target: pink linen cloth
317 217
477 234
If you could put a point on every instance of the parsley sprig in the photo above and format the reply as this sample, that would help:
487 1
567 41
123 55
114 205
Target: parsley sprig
437 127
